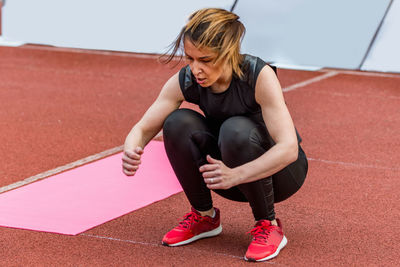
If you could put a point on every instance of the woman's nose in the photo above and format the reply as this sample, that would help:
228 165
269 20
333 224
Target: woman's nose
196 69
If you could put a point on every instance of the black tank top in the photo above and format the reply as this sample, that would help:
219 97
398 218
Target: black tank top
237 100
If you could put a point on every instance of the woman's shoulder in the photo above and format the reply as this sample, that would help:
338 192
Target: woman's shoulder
251 67
250 59
253 63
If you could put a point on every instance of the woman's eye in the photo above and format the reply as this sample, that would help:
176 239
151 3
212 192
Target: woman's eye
201 60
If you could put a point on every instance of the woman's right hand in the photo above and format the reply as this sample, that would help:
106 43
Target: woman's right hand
131 160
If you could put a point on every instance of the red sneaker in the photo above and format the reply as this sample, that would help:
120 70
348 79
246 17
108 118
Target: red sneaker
193 227
267 241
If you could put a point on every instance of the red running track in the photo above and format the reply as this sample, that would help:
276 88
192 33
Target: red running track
62 105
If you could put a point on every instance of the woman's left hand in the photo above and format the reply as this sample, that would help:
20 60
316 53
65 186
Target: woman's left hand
217 175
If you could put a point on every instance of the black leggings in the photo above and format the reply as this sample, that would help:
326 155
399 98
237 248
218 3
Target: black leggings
188 138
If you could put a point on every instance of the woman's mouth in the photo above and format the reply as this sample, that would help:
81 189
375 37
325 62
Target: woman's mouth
200 80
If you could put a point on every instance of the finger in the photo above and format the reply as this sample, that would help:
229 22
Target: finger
214 180
129 167
132 161
215 186
128 173
212 160
218 184
208 167
211 174
126 159
132 155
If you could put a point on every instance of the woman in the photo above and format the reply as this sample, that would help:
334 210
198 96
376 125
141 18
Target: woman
244 148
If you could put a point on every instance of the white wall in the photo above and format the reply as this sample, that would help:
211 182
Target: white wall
385 52
322 33
123 25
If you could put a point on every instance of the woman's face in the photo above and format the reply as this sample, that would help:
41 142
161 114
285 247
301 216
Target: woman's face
201 63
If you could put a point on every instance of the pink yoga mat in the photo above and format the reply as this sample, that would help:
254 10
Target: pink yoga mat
77 200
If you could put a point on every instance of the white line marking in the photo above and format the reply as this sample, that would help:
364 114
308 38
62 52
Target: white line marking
365 73
159 245
61 169
122 240
96 52
350 164
310 81
358 95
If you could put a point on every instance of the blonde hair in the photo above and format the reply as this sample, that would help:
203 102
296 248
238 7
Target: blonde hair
214 28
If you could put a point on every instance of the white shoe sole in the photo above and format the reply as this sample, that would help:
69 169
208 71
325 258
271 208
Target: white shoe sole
211 233
281 246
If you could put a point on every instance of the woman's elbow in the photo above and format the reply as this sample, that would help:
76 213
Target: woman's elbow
293 152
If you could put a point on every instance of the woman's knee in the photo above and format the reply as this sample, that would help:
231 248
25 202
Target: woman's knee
180 120
235 133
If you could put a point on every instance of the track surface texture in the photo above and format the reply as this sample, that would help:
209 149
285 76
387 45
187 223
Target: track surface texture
62 105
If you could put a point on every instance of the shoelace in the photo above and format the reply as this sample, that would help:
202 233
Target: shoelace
260 232
188 220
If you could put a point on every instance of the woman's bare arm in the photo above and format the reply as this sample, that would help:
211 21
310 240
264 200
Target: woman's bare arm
169 99
280 126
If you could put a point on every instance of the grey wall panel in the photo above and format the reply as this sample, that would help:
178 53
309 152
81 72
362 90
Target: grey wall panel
329 33
123 25
385 52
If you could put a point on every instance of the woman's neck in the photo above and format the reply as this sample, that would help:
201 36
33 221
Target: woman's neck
222 84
